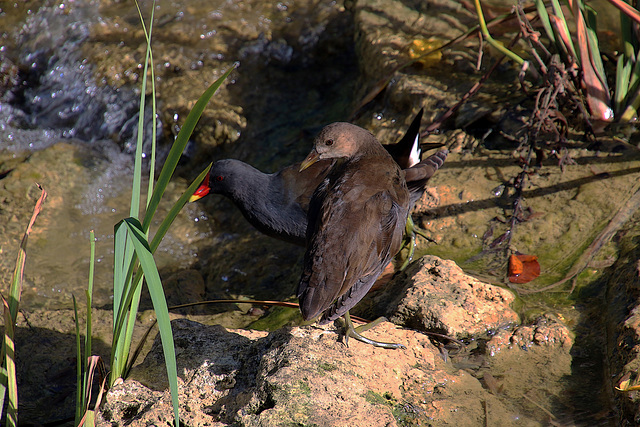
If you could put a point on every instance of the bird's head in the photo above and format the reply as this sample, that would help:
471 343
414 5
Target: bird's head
223 177
338 140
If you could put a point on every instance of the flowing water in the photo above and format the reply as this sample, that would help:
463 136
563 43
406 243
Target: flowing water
70 86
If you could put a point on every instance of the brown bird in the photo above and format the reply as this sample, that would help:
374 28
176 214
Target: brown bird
356 219
277 204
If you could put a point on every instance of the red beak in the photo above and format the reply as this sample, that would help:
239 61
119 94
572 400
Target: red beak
201 191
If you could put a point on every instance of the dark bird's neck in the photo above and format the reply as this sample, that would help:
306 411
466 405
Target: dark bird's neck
268 206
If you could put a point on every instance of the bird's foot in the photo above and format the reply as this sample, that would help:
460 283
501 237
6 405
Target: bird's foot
353 332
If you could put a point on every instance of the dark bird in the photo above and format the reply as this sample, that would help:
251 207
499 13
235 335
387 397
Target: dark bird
356 219
277 204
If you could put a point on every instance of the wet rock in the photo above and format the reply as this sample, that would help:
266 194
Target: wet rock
385 31
264 268
8 79
476 202
546 331
436 295
622 323
529 359
59 170
88 188
302 376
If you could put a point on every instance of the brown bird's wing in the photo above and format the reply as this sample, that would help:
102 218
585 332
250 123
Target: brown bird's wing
356 224
298 186
418 175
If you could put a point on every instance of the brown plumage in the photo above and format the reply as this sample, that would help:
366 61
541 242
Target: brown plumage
356 219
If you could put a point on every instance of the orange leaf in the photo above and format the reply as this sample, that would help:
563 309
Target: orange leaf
523 268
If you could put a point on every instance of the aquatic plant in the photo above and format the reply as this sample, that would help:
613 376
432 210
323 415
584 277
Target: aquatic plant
8 379
570 86
579 54
133 250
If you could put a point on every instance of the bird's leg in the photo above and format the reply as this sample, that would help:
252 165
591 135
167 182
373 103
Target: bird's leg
410 239
411 230
351 332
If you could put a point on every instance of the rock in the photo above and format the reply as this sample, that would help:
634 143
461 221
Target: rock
385 31
621 319
546 331
301 376
436 295
183 287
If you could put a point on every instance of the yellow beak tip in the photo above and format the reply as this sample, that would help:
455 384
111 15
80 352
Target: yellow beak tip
311 159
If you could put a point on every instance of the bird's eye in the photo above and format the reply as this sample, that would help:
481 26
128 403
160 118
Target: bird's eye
329 142
219 178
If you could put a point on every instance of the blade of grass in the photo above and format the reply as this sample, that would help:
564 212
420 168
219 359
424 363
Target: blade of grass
563 40
156 292
596 88
89 297
137 168
168 168
80 384
627 9
623 76
3 381
7 351
589 17
149 57
123 252
561 26
90 371
493 42
18 274
631 112
128 249
88 418
119 273
176 208
85 362
544 19
11 419
634 80
162 230
179 145
633 95
121 342
163 180
121 305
